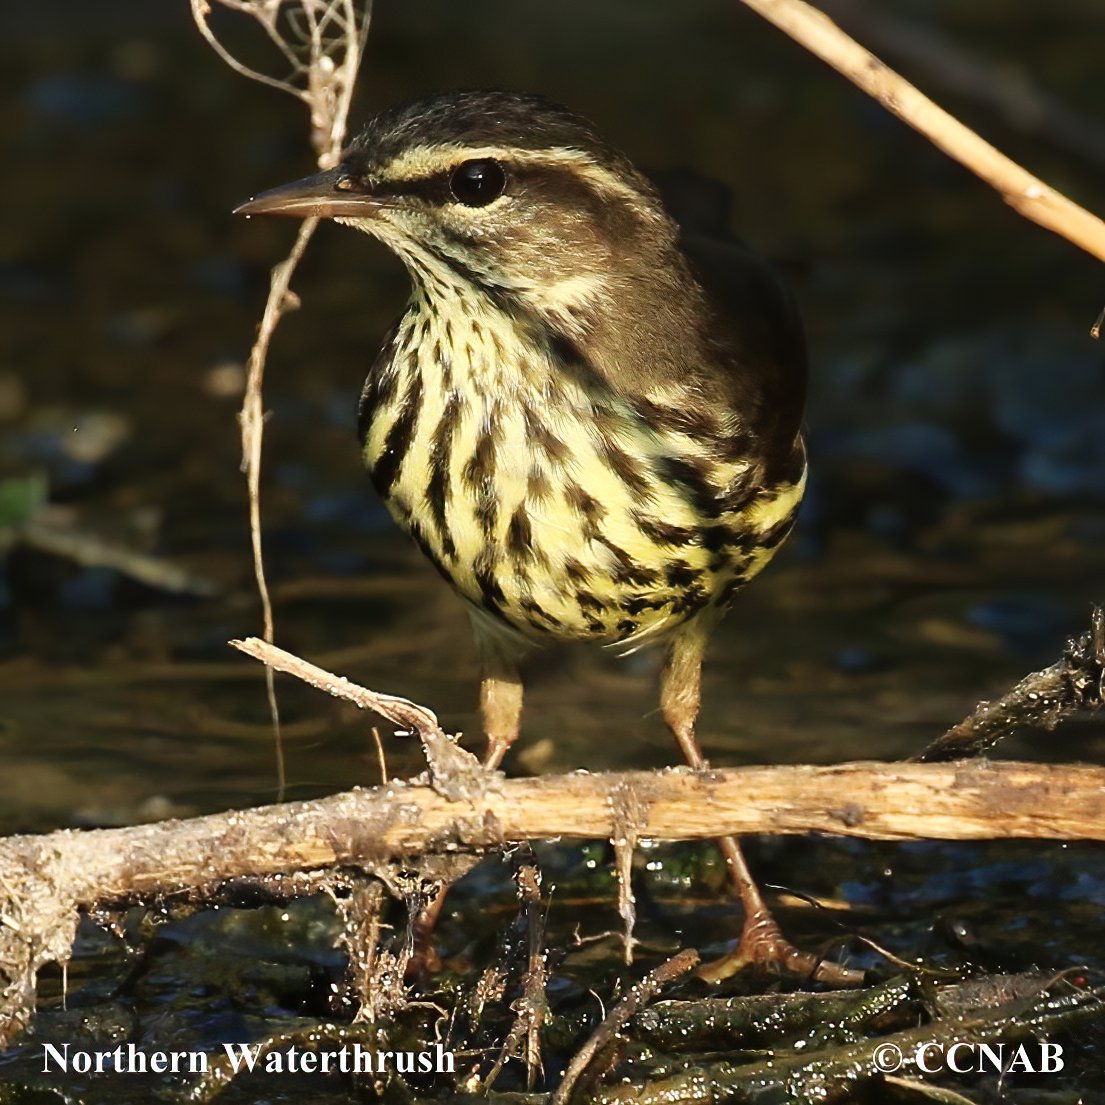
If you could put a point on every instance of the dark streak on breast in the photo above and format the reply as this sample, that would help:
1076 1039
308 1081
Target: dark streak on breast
380 384
629 473
694 477
519 537
544 438
663 533
626 569
590 510
437 487
398 439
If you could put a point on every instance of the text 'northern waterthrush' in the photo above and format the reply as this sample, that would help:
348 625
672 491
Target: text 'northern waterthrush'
589 421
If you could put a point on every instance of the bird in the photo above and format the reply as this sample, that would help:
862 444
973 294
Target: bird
588 418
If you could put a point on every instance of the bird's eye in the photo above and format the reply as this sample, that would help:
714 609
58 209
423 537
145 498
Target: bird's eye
477 183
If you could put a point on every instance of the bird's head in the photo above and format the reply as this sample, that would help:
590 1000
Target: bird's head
508 195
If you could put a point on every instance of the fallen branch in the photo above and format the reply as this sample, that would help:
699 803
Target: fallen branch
456 812
46 881
369 827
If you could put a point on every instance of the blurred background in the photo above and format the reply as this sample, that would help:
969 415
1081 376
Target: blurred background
953 532
952 537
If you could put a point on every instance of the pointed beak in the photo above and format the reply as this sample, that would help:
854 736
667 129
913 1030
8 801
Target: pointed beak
325 195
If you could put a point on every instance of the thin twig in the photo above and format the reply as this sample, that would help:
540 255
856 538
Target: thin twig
1041 700
637 998
1001 87
455 772
201 12
327 60
252 421
381 759
1025 193
401 712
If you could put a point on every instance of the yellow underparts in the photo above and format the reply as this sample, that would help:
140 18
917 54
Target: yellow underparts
565 554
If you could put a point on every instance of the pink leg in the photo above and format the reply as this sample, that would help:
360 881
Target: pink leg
761 941
500 699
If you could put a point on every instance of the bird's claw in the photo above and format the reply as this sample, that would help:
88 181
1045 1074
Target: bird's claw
763 948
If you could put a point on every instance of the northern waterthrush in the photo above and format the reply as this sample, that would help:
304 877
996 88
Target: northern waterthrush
590 423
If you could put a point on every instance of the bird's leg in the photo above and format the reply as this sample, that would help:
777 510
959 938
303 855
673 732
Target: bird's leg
500 700
762 942
501 714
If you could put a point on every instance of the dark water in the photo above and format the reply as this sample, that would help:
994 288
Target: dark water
951 539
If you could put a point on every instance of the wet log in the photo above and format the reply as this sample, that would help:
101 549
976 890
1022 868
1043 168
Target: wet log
47 881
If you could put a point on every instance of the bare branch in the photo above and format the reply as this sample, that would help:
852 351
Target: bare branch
1040 700
201 11
455 772
633 1002
327 57
1025 193
1003 88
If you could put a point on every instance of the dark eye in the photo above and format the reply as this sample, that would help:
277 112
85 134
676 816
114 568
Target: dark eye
477 183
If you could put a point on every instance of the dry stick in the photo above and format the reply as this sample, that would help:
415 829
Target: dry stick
997 86
407 715
1042 700
1025 193
367 827
454 771
331 28
252 420
637 998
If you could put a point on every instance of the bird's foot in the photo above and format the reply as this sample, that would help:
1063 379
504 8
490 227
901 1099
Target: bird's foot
424 960
764 949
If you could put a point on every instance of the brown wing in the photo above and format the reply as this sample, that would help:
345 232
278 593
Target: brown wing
756 329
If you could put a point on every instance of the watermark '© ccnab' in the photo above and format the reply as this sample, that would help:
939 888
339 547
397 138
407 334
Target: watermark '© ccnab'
1038 1057
243 1058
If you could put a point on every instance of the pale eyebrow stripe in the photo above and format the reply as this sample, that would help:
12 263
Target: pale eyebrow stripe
428 161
